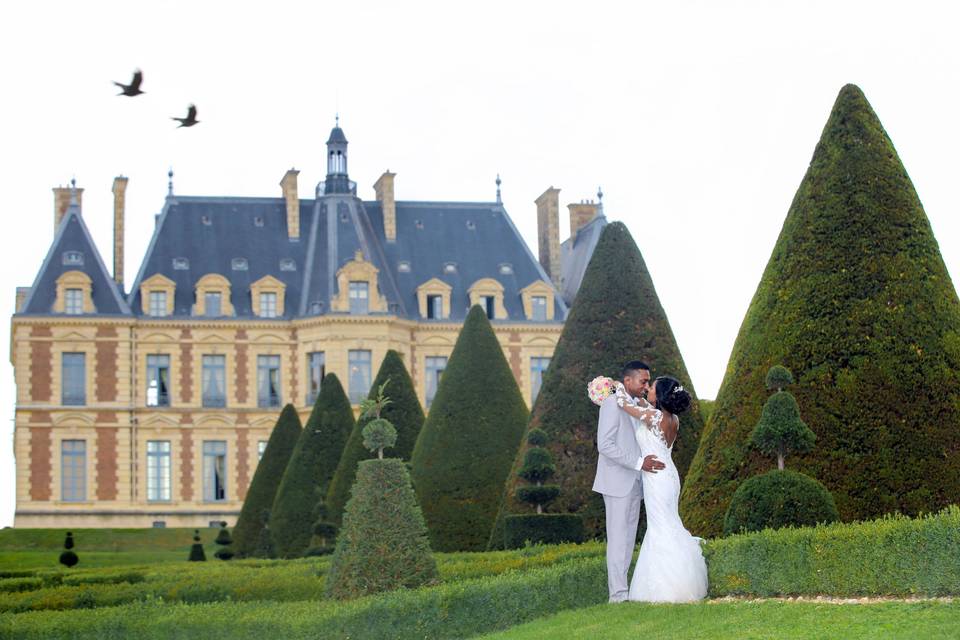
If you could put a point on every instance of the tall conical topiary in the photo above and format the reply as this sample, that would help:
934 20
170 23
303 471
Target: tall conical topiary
469 440
404 412
266 480
615 318
312 463
857 303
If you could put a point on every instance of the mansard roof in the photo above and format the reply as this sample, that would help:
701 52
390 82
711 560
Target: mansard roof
73 249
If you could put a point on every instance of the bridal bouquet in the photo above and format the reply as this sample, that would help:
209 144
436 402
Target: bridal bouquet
599 388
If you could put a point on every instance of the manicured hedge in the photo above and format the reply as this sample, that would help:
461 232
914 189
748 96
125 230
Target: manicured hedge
894 556
616 317
856 301
544 528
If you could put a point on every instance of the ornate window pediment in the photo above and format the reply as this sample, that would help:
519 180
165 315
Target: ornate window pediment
212 288
433 298
267 297
488 293
80 293
538 301
358 270
158 290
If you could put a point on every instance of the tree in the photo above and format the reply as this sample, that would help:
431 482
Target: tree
266 480
469 440
383 544
310 469
224 540
616 317
404 412
780 430
196 549
69 557
857 302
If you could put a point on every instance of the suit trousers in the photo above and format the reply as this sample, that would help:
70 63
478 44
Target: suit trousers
623 516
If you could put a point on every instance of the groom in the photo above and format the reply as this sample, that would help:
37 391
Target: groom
618 477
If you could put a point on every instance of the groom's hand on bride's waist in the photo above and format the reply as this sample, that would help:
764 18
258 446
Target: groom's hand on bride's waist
651 464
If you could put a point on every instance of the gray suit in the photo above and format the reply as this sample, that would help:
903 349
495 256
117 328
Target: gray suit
619 480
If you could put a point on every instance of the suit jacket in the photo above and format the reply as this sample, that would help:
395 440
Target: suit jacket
618 465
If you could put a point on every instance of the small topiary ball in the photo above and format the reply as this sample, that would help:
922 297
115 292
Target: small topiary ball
69 559
779 499
379 434
779 377
68 543
537 437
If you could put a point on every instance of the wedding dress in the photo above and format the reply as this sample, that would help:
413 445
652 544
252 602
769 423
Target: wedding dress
670 566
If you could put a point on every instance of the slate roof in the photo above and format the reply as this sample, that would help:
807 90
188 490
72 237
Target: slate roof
575 254
73 237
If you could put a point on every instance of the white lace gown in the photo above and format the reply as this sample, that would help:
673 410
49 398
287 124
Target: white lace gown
670 566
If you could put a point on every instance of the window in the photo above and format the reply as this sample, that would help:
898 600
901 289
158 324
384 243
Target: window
488 304
73 466
158 470
158 380
239 264
450 267
181 264
403 266
261 447
434 307
316 369
214 379
73 258
214 470
159 524
359 363
73 302
268 304
74 379
359 297
268 381
211 301
539 308
258 221
537 367
506 268
434 369
158 303
288 264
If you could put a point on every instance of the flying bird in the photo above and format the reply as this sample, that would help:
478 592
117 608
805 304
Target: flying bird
191 118
132 89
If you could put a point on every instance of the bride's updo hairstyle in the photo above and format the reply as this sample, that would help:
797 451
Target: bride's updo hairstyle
671 396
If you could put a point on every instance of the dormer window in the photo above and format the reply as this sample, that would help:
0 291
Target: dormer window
434 307
239 264
357 291
213 297
268 304
156 295
538 301
181 264
539 308
506 269
359 298
158 303
73 258
288 264
74 294
403 266
488 293
73 302
266 294
433 297
450 267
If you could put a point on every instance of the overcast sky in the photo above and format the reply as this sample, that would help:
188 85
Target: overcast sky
698 119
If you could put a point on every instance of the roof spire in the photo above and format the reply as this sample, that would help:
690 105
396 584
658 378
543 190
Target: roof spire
170 182
337 118
499 201
600 200
73 192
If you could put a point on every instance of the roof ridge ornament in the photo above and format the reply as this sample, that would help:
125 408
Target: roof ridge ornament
499 200
170 182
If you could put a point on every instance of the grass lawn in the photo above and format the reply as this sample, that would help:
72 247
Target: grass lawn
719 620
14 560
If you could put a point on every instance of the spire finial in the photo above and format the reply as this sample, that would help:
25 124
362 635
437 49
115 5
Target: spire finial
170 182
73 192
600 199
499 201
337 118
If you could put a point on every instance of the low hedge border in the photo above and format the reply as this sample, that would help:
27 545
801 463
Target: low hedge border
893 556
446 611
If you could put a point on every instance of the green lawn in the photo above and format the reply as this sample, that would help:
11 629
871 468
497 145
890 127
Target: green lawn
14 560
746 620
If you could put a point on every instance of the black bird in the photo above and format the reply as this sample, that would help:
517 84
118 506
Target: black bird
191 118
132 89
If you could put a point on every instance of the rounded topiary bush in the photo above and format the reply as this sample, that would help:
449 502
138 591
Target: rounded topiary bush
779 499
779 377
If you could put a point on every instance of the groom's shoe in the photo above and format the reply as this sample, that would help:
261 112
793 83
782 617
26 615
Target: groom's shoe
616 599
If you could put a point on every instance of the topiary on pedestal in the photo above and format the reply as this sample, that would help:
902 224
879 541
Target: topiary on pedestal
69 558
324 532
383 543
196 549
224 540
404 413
545 528
266 480
311 466
780 498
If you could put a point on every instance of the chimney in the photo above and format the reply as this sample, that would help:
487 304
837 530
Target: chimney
119 206
61 202
548 232
384 189
22 293
580 214
289 186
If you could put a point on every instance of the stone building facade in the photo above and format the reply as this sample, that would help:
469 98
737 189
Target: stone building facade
150 406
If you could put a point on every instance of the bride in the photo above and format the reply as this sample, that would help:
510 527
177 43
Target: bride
670 566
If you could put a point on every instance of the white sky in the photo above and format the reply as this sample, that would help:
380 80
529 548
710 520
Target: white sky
697 118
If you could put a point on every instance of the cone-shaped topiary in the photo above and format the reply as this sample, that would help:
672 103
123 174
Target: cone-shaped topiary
383 544
266 480
310 469
404 412
857 302
779 498
469 440
196 549
224 540
780 430
69 558
615 318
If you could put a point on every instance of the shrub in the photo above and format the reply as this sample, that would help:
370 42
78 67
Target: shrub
266 480
778 377
857 302
224 540
383 543
547 528
324 532
780 430
196 550
310 469
404 413
469 440
69 558
779 498
616 317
